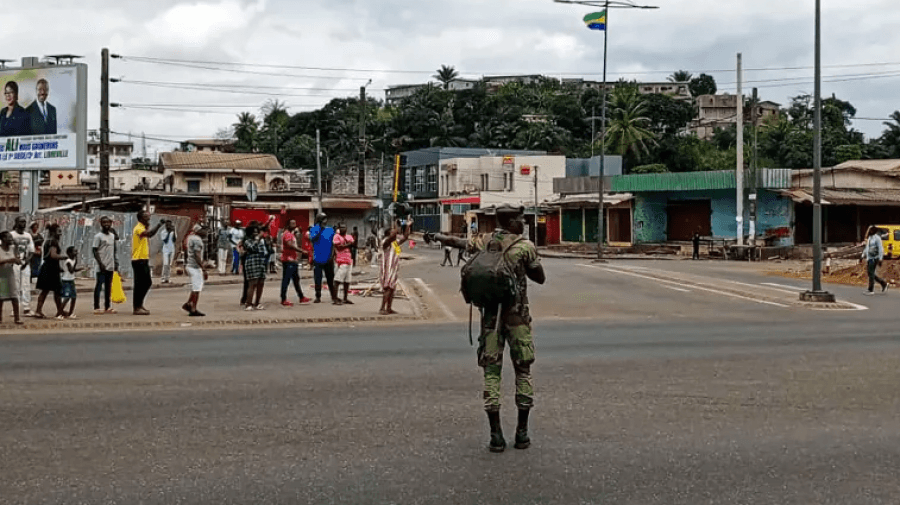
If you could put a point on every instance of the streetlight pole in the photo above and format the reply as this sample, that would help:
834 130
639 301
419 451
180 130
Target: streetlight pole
817 295
607 5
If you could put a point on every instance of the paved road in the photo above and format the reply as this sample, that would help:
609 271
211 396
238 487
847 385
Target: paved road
632 413
704 399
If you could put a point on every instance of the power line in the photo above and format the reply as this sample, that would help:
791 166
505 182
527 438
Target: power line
253 72
172 61
202 87
146 59
238 85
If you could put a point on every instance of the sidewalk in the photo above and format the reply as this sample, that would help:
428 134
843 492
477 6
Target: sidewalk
220 302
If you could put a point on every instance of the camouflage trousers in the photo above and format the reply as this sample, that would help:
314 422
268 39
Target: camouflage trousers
514 328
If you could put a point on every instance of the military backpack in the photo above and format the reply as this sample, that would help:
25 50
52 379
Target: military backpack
488 279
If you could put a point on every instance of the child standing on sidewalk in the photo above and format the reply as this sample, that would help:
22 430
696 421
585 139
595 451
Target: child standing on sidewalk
69 293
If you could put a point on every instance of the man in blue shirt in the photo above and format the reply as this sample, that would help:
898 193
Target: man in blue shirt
322 238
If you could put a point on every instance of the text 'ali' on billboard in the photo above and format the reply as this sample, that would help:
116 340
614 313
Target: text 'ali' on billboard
43 118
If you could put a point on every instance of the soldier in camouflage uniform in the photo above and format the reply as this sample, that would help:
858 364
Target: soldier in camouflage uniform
514 325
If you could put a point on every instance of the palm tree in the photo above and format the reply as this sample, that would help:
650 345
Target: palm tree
680 76
246 131
890 139
627 133
446 75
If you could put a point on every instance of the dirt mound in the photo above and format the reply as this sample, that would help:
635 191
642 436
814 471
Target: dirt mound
854 275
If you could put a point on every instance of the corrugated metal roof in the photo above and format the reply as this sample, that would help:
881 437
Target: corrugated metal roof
206 160
873 165
698 181
847 196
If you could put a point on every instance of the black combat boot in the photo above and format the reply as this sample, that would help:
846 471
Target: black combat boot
522 440
498 444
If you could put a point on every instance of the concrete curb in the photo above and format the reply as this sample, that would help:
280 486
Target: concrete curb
199 323
415 300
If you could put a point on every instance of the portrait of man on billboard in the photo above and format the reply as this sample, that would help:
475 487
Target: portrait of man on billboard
41 114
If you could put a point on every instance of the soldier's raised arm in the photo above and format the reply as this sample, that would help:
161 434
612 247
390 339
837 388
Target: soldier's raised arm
447 240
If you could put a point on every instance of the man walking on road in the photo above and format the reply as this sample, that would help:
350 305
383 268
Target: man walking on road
24 246
194 265
507 323
290 264
104 249
140 260
873 254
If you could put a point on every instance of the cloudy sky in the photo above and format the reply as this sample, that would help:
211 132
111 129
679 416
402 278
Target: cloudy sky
327 49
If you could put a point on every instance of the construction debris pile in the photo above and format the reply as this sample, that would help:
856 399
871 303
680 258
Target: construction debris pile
854 274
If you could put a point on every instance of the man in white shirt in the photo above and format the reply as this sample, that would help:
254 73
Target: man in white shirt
237 236
169 239
24 245
223 244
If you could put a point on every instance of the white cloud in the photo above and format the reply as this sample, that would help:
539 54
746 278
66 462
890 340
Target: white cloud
202 23
476 36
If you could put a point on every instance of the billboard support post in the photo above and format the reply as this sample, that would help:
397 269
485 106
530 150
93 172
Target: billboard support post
29 191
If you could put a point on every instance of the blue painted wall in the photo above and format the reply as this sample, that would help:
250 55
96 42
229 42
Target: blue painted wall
774 212
650 219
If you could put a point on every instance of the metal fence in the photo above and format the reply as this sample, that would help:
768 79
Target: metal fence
78 229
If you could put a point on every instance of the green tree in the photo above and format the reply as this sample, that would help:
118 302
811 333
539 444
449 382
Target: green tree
542 136
680 76
627 134
848 152
703 84
667 115
890 138
655 168
445 75
246 131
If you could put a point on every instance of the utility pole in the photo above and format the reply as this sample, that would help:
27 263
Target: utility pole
739 170
362 140
817 294
754 167
104 123
319 168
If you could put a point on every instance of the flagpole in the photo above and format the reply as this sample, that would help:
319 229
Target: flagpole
607 5
601 228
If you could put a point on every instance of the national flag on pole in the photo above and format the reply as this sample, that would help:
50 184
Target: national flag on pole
596 20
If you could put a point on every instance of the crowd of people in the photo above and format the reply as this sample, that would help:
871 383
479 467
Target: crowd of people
32 260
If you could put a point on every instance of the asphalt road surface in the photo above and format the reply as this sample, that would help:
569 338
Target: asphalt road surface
688 398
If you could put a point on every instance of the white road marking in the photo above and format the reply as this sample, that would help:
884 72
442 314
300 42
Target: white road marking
793 289
440 303
692 286
673 288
